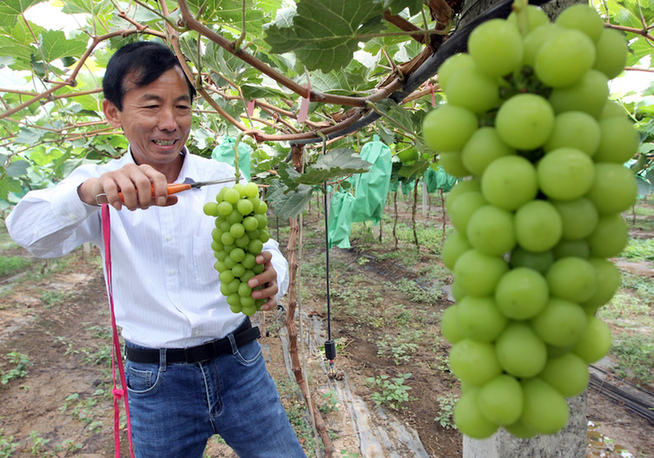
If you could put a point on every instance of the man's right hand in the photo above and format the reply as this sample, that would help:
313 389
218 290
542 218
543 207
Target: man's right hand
136 184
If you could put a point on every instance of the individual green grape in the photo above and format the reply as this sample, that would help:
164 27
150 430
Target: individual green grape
484 147
234 217
565 173
522 293
232 196
540 262
490 230
479 273
535 39
226 238
224 208
468 417
545 410
618 142
449 324
474 362
229 262
609 237
473 89
262 208
237 254
509 182
568 374
448 128
251 189
538 226
244 290
595 343
574 248
612 52
480 319
250 223
612 109
574 129
501 400
525 121
242 242
561 323
238 270
453 164
496 47
255 246
455 245
579 217
614 189
608 282
233 285
240 187
573 279
452 64
249 260
244 207
563 59
520 430
589 95
463 207
584 18
237 230
210 209
536 17
520 351
461 187
226 276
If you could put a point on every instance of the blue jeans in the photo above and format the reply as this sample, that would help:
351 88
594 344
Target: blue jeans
175 409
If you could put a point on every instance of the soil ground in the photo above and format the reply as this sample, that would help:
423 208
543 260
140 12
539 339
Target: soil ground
384 310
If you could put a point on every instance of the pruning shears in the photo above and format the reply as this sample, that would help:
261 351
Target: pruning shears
173 188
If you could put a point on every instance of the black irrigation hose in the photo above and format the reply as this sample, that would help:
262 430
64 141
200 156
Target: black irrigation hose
458 42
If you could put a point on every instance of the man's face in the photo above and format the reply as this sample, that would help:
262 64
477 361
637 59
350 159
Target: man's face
156 119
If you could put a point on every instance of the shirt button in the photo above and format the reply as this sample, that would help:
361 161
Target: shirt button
72 216
169 238
172 271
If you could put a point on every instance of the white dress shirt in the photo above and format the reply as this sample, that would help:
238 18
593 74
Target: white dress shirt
166 291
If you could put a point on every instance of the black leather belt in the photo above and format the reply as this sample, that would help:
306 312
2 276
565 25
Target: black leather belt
243 335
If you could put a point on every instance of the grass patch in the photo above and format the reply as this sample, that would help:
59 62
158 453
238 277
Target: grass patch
13 264
639 250
635 357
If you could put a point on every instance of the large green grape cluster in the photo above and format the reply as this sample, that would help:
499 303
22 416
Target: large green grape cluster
240 232
529 124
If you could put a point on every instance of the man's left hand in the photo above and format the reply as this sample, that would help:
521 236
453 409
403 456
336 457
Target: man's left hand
268 280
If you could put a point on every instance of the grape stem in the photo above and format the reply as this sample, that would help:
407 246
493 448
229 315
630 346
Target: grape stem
520 8
237 173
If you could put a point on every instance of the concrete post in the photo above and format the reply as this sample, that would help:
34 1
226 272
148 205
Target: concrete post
570 442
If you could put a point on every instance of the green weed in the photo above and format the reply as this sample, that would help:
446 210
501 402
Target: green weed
639 250
390 391
21 363
7 445
446 405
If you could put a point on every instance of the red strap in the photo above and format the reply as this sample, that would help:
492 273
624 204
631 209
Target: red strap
115 355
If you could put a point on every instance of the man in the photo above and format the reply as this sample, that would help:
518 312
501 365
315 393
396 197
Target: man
166 292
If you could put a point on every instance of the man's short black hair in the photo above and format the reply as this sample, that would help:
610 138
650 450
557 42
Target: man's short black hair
143 62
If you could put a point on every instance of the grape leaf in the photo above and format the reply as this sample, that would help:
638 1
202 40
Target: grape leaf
55 45
288 203
326 33
337 163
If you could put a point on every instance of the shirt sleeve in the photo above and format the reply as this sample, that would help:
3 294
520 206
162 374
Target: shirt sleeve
52 222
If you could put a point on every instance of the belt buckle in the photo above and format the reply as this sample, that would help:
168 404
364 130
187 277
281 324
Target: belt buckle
200 353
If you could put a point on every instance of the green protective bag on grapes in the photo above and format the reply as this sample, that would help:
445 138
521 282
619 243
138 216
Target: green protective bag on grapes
537 213
240 232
